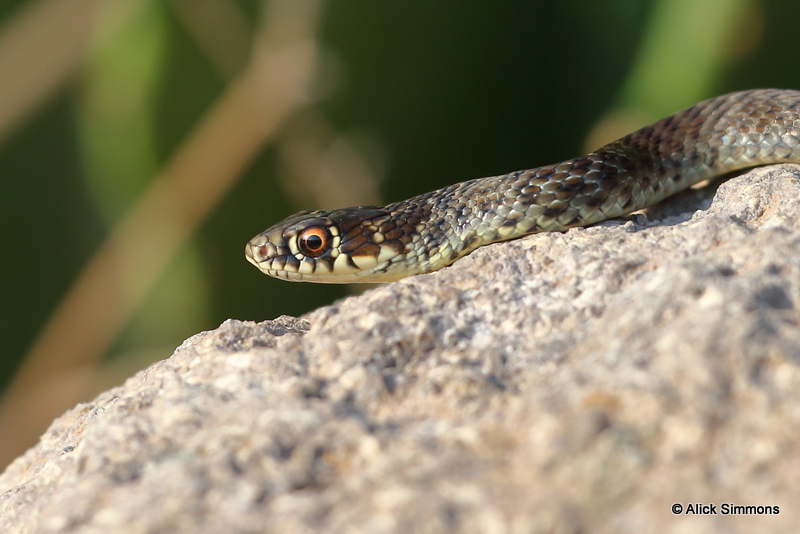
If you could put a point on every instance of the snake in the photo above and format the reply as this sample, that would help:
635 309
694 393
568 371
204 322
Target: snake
714 138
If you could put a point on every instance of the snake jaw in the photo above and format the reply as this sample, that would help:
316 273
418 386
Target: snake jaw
356 251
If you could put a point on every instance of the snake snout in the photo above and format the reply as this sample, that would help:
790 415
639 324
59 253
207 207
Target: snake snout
259 250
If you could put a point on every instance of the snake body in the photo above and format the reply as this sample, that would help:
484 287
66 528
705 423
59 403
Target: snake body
430 231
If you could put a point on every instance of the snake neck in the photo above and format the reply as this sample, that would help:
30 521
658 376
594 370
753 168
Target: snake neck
577 192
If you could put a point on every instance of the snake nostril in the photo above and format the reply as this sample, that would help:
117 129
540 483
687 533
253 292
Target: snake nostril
256 253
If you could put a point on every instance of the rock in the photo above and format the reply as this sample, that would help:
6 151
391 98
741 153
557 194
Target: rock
577 382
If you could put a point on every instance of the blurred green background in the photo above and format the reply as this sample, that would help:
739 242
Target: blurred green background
404 97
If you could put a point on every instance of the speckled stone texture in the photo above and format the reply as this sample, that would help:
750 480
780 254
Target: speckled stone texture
561 383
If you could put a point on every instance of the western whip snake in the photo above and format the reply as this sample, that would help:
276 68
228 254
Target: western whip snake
430 231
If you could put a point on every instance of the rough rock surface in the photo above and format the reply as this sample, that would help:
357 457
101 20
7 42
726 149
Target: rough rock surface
577 382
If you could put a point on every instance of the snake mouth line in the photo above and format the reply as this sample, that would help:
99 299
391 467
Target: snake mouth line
361 268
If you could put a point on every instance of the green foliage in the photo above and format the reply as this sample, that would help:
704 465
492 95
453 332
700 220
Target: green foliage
448 90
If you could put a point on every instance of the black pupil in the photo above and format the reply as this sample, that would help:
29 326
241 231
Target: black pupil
314 242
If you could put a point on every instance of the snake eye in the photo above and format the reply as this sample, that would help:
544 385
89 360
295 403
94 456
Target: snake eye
314 241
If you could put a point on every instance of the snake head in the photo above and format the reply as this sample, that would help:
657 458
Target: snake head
341 246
